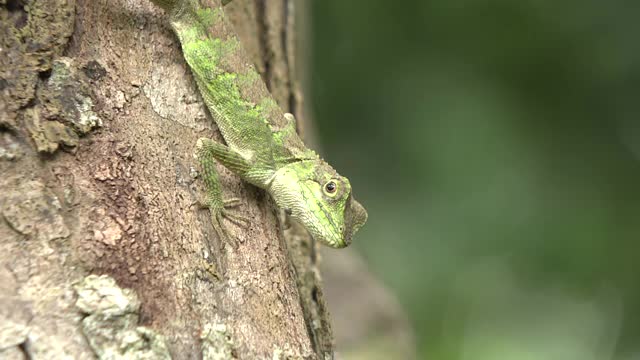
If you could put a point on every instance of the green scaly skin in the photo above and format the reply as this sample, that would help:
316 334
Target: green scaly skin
263 147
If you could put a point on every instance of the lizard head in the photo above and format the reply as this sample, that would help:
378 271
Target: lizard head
314 194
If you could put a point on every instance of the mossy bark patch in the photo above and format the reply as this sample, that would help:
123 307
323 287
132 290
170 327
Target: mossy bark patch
31 36
111 324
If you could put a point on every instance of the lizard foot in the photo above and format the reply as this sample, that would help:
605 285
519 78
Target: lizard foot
221 210
226 212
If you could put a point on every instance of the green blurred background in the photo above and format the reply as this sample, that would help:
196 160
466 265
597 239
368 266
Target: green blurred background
496 146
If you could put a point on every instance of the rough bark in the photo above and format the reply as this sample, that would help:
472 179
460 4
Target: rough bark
98 119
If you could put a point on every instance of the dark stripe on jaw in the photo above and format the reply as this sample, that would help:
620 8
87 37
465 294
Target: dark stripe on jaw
322 208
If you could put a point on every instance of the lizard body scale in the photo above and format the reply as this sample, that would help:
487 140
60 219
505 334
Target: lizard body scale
263 147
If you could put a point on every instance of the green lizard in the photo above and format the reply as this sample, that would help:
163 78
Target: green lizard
263 147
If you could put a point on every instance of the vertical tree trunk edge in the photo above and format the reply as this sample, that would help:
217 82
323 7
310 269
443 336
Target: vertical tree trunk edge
101 249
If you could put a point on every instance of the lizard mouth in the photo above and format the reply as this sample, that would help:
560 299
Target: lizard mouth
355 216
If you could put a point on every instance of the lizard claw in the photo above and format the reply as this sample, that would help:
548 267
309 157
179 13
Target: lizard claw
221 229
219 212
231 203
239 220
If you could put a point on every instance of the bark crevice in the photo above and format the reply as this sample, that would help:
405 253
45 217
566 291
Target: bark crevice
98 178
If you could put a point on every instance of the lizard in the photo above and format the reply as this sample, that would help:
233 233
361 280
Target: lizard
262 144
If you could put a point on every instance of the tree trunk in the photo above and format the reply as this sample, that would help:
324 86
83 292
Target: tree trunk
99 116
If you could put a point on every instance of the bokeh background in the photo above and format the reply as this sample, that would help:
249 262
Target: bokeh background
496 146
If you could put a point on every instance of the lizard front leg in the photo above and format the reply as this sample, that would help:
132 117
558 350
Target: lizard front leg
207 151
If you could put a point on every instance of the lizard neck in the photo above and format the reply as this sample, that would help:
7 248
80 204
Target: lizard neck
285 182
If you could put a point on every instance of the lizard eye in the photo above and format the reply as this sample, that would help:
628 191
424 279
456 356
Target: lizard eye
331 187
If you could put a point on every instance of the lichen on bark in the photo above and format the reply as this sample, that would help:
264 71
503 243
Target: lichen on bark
93 78
111 322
